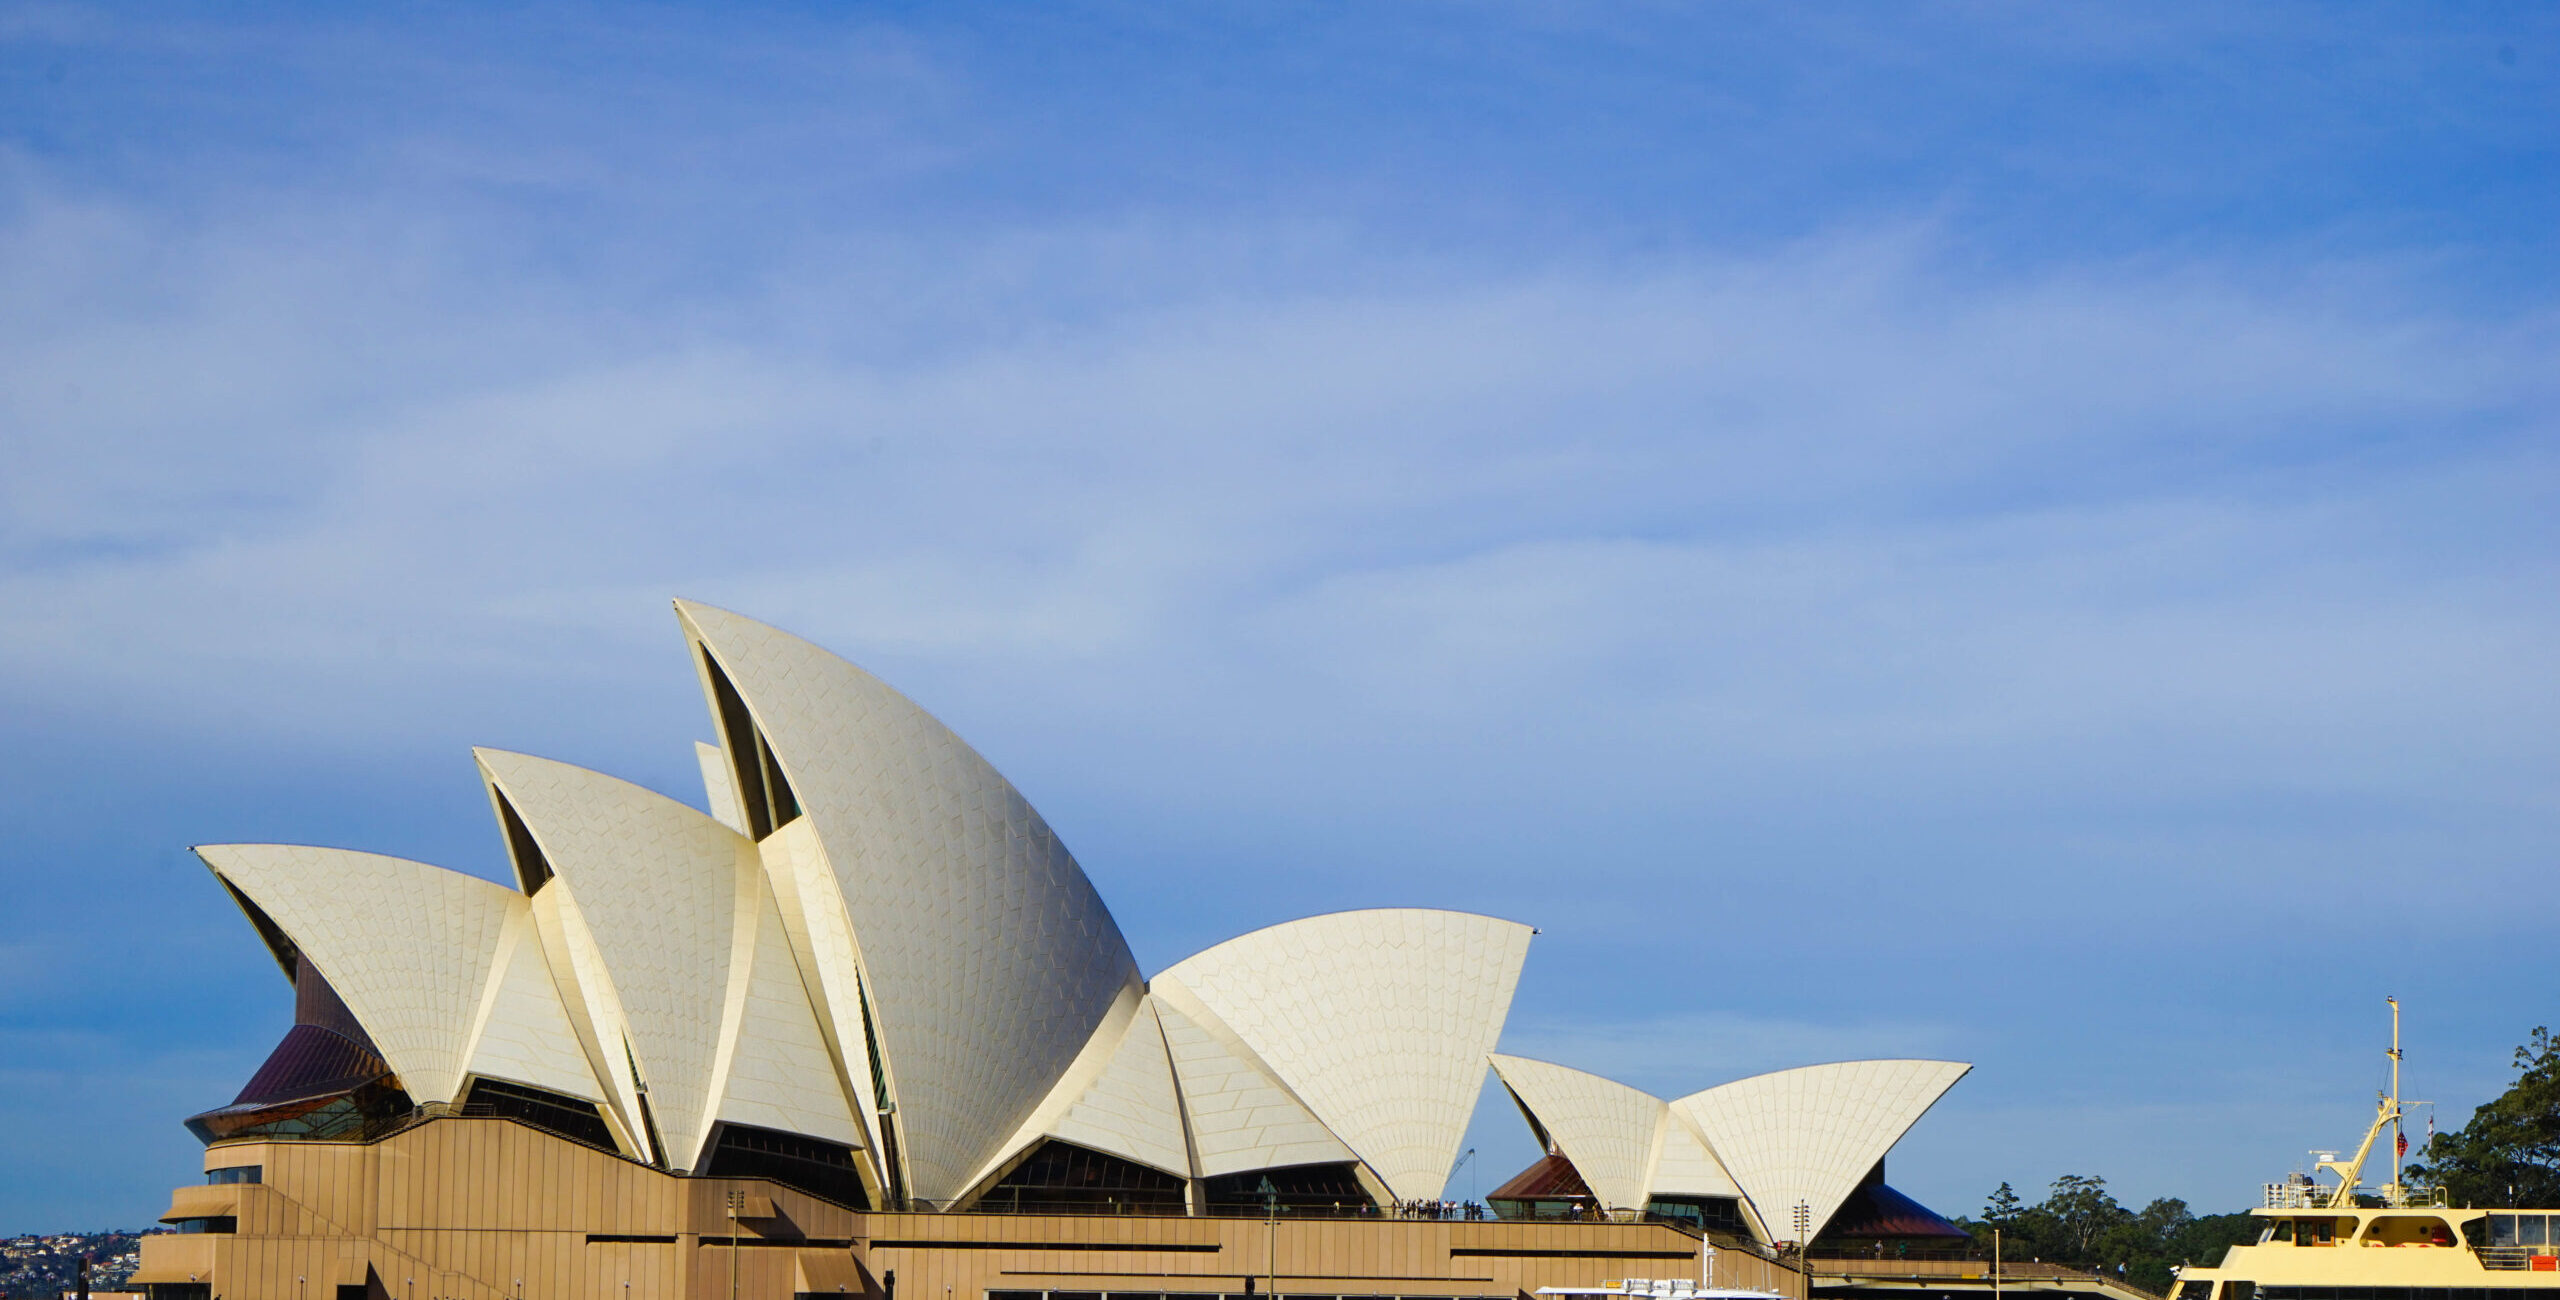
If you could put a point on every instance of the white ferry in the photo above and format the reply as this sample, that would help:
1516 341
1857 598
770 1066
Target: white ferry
2344 1241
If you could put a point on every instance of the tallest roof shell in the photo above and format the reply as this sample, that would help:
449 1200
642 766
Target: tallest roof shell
987 957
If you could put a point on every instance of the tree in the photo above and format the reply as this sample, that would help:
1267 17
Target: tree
2081 1224
2082 1212
2002 1209
2509 1154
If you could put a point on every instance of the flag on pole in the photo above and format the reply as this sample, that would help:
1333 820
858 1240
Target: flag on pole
2403 1140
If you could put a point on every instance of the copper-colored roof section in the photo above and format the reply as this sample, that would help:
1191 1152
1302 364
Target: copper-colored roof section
323 1057
310 1062
1551 1179
1875 1210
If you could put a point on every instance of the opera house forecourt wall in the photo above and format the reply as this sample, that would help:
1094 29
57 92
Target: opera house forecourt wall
861 1024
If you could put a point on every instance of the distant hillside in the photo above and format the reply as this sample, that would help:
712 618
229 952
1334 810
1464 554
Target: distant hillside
49 1265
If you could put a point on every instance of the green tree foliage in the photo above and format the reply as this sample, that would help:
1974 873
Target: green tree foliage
2080 1224
2509 1154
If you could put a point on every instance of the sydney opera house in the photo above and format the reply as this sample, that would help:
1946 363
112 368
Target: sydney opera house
861 1023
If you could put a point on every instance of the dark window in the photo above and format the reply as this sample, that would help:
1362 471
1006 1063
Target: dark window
549 1111
2239 1291
283 949
764 793
1718 1213
216 1223
1063 1178
648 1117
821 1168
352 1291
897 1189
2529 1230
1298 1189
533 871
1013 1295
235 1174
178 1290
2195 1291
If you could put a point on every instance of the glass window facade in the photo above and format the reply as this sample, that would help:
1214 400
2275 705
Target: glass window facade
1063 1178
1706 1213
821 1168
1298 1189
551 1112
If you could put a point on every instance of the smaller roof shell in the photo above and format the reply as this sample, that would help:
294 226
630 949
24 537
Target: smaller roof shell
1610 1132
1806 1137
657 884
1378 1020
1237 1113
413 951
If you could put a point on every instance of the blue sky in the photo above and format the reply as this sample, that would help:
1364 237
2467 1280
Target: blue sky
2015 532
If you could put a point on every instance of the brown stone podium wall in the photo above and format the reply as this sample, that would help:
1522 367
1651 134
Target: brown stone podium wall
489 1209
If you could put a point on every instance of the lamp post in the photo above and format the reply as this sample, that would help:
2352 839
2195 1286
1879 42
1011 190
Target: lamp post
1271 1236
1804 1242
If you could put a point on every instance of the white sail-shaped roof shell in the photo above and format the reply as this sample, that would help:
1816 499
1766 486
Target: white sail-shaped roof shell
1238 1113
1683 1166
720 786
1612 1133
988 958
657 885
1131 1109
1119 1098
1380 1021
696 972
523 1034
774 1070
432 963
821 938
1807 1136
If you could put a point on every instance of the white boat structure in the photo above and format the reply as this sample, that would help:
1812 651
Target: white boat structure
2344 1241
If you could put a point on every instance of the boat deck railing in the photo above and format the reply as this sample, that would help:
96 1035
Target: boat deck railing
2311 1196
2518 1259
